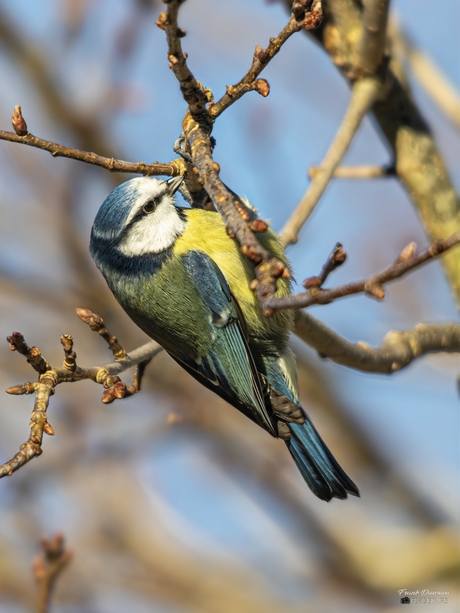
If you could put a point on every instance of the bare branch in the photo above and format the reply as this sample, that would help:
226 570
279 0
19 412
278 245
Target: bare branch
50 377
335 259
70 357
96 323
418 162
48 567
373 35
419 165
436 85
299 19
363 96
197 127
372 285
32 354
175 167
397 350
23 51
234 217
422 171
194 94
357 172
43 389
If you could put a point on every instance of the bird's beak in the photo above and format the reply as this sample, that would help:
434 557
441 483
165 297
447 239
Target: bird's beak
174 183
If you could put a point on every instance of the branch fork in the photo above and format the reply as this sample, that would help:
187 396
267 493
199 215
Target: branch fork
49 377
48 566
407 260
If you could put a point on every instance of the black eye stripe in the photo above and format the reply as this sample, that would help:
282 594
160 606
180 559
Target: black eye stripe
141 213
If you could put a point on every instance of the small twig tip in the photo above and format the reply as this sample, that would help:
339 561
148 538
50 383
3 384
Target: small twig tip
18 122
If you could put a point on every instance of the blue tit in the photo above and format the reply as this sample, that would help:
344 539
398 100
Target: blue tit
183 281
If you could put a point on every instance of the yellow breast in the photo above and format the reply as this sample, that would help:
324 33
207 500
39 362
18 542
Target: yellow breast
205 230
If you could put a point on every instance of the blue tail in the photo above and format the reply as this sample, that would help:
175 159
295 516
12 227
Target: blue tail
321 471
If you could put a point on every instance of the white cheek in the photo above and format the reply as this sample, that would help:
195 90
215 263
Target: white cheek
154 233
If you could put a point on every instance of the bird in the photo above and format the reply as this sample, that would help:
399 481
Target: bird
183 280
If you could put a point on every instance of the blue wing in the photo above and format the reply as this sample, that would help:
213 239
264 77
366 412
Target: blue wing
228 369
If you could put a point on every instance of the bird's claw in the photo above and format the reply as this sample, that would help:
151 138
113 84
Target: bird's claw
181 147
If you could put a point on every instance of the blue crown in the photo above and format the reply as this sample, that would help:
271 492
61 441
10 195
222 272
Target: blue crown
115 209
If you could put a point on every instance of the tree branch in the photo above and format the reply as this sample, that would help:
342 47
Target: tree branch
372 285
48 567
50 377
397 350
192 91
357 172
373 36
418 162
197 127
23 52
175 167
299 19
235 217
363 96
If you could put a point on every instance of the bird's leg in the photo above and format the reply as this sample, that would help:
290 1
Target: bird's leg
285 409
197 199
181 147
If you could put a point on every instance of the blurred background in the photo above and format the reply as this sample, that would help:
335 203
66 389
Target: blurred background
172 501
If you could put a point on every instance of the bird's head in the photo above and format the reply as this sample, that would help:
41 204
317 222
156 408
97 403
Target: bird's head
138 218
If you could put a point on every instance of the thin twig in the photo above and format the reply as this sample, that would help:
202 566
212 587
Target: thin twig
373 35
197 126
43 389
171 169
357 172
397 350
372 285
436 85
86 127
261 59
363 96
193 93
70 357
221 197
419 164
48 567
96 323
50 377
335 259
32 354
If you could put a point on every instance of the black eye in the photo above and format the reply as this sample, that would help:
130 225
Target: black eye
149 206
